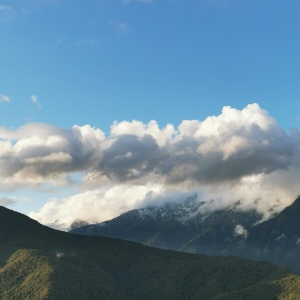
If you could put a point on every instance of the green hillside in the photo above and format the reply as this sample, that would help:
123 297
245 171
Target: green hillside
40 263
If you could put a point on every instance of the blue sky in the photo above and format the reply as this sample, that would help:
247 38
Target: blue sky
67 63
111 60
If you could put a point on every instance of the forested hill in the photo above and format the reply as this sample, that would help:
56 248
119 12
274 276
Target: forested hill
37 262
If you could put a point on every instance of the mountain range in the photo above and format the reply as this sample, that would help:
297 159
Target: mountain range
188 227
37 262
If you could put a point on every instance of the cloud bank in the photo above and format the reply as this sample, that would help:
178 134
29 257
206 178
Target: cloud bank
238 155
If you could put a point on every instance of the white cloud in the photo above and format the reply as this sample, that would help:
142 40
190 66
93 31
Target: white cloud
35 101
39 153
4 98
97 205
240 230
221 149
239 155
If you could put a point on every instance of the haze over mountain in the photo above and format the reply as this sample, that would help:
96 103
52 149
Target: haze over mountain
190 227
37 262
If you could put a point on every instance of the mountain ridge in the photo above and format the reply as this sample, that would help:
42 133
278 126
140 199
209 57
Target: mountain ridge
225 232
42 263
174 222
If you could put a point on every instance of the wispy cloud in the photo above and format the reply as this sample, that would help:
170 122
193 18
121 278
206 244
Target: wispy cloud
141 1
57 43
4 98
6 12
90 42
5 8
35 101
31 6
122 28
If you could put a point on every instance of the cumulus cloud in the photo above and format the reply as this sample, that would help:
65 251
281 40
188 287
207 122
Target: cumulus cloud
4 98
238 155
218 149
37 153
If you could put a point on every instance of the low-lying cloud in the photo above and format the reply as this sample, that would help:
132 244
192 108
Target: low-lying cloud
240 230
238 155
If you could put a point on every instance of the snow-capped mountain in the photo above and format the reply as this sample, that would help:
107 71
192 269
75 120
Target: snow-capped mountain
189 227
183 226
